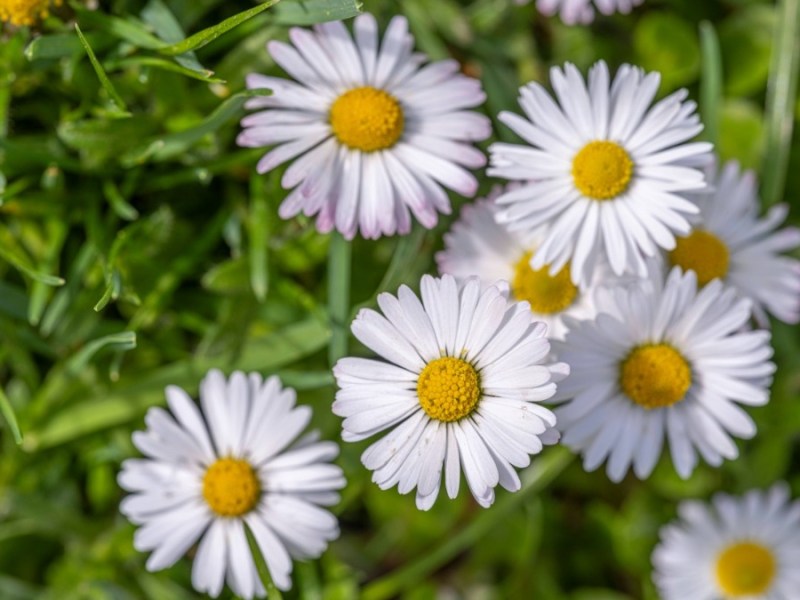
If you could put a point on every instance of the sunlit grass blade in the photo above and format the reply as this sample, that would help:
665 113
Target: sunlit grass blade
710 81
781 98
125 340
10 417
22 265
309 12
273 593
101 74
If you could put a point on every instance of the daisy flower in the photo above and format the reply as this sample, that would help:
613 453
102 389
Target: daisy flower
662 361
375 134
582 11
477 245
463 373
607 169
237 462
732 243
23 13
746 548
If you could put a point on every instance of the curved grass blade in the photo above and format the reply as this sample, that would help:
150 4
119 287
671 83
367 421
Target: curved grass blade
10 417
101 74
710 81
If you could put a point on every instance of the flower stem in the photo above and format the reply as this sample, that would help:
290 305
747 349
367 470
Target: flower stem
535 479
338 296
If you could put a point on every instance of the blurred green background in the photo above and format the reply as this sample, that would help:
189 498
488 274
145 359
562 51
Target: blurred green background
138 249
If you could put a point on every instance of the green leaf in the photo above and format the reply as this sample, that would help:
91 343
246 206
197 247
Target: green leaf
125 340
101 74
128 29
258 233
165 65
339 269
20 263
206 36
11 419
158 15
273 593
310 12
710 82
666 43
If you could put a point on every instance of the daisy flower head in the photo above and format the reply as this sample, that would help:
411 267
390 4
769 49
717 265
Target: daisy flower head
607 168
236 462
582 11
459 386
22 13
736 548
663 361
731 242
477 245
377 135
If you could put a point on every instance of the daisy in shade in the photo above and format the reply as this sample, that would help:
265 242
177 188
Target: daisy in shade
477 245
208 474
608 170
662 362
463 373
376 135
732 243
582 11
738 548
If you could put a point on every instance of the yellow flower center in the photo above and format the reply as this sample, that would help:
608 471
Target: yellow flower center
602 170
745 569
547 294
367 119
25 12
655 376
702 252
448 389
231 487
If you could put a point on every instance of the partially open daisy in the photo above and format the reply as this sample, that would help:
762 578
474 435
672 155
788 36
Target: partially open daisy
378 135
25 12
608 170
744 548
732 243
460 387
582 11
479 246
237 463
662 360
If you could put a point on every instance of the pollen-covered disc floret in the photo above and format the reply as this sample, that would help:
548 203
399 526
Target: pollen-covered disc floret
237 462
374 134
734 549
663 362
462 374
573 12
606 169
733 242
477 245
23 13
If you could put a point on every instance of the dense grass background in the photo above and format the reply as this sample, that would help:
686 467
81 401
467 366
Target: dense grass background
138 249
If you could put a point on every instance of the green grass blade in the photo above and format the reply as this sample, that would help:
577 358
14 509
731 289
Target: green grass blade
273 593
125 340
206 36
339 259
781 97
165 65
21 265
10 417
258 226
101 74
310 12
710 81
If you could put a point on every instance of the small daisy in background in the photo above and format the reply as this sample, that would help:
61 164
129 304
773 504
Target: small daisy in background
607 171
376 135
736 548
731 242
208 474
22 13
573 12
477 245
662 362
459 386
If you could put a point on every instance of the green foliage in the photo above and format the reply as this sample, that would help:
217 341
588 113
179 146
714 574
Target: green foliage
138 248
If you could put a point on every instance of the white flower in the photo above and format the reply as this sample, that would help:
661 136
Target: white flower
731 242
476 245
378 135
208 474
461 388
607 169
662 360
582 11
744 548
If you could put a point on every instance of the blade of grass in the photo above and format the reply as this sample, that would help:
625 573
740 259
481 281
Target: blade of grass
338 295
125 340
311 12
261 567
10 417
20 264
710 81
781 97
258 226
543 471
101 74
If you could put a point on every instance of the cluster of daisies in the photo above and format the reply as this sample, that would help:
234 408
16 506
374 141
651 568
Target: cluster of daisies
609 297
